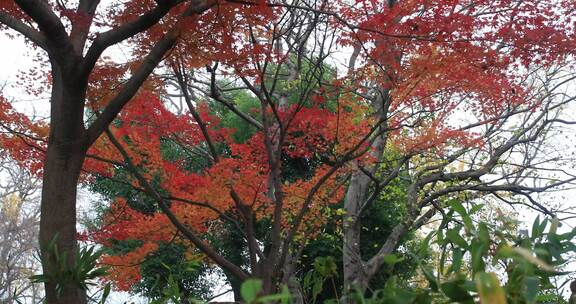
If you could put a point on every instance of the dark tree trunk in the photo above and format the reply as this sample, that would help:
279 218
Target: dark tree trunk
235 284
290 279
58 209
64 158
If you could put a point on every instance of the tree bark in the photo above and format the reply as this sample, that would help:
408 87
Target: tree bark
351 255
356 277
64 157
289 276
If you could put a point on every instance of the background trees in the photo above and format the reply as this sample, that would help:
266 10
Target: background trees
19 217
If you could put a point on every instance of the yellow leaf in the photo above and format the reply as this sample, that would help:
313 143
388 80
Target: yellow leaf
11 206
489 289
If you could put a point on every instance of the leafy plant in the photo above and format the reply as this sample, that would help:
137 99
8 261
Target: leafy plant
79 274
251 292
324 269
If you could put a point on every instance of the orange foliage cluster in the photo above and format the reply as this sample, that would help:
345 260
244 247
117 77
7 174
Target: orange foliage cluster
123 274
244 169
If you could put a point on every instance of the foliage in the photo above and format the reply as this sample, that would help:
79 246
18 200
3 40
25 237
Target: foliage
79 274
517 270
252 293
508 268
378 220
169 262
496 266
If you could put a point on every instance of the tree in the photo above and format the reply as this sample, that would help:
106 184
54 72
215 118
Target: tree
408 112
468 63
19 217
154 269
413 67
74 36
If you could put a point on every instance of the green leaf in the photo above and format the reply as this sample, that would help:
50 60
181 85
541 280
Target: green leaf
105 293
392 259
477 251
317 288
423 298
430 277
284 297
454 236
527 255
307 279
458 207
443 256
286 291
483 234
542 227
476 208
250 290
39 278
532 287
99 272
457 256
425 243
555 223
456 291
325 266
536 227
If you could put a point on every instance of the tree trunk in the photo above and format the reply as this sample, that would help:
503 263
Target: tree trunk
62 165
289 277
235 284
58 209
265 272
354 276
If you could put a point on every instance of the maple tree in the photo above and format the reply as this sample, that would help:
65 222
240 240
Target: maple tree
400 100
413 66
73 35
464 57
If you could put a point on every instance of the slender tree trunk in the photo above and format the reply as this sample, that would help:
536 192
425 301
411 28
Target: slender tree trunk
289 277
235 284
264 271
64 158
354 277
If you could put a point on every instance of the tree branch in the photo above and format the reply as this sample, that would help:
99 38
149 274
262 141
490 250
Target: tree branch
392 240
81 28
22 28
125 31
49 24
135 82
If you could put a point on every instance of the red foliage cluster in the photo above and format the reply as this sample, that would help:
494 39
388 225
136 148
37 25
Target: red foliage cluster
22 138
